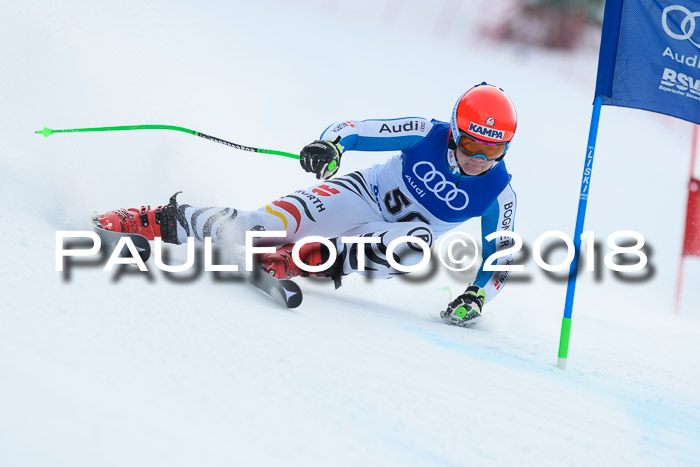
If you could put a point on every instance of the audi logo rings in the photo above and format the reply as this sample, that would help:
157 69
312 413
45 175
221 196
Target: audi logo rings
453 193
687 25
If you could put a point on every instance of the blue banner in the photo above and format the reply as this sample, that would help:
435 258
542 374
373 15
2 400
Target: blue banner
650 56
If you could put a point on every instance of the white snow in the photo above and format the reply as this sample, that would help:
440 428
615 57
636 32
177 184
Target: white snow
102 369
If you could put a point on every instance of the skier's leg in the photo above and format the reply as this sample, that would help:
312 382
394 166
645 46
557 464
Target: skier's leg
340 207
328 209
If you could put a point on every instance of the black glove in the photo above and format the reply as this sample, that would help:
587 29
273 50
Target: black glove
321 157
466 307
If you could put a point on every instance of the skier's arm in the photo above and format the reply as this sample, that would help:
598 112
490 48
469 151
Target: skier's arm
397 134
322 156
499 216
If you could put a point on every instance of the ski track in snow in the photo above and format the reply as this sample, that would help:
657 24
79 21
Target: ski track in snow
134 369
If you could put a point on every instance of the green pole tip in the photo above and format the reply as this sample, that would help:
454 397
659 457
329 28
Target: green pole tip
46 132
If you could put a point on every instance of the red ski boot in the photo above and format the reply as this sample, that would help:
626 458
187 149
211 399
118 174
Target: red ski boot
281 265
150 223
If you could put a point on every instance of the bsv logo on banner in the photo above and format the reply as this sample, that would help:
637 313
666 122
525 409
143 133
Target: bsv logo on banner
686 28
680 83
446 191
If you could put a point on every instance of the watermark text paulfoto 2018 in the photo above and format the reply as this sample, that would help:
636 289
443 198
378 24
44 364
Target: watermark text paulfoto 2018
460 248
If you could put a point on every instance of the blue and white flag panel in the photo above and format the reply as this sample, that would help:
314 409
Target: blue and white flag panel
650 56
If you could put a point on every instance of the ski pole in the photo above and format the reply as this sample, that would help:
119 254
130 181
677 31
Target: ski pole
48 132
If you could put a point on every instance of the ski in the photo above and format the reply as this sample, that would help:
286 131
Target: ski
284 292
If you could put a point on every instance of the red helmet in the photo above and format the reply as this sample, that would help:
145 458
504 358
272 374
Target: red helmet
486 113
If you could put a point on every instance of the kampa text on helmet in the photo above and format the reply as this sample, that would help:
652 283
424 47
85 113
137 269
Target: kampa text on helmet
484 131
410 126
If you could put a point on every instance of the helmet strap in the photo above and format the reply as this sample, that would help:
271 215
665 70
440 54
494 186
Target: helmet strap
451 144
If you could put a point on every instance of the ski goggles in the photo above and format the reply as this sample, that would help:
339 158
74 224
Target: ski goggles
476 148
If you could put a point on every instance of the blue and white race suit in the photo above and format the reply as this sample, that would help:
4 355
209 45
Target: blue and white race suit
421 192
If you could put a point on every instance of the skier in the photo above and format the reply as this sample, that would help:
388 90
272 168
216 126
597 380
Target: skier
446 174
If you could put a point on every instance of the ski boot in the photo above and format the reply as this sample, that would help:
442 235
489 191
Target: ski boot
147 222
